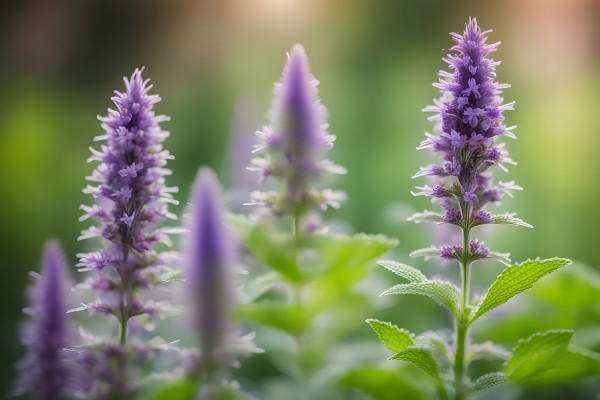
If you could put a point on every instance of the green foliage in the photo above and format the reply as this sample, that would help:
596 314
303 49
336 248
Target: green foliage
291 318
382 384
509 219
516 279
427 216
178 390
546 358
576 286
486 351
407 272
421 358
276 250
443 293
489 380
394 338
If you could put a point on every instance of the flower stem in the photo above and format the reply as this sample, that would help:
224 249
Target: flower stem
462 326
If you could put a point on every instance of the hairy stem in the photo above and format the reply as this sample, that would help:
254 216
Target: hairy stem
462 327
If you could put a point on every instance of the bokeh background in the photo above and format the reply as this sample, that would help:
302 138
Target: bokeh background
214 64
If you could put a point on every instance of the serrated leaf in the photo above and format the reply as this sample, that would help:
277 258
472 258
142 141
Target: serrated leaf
421 358
407 272
509 219
394 338
445 294
547 358
536 345
489 380
426 216
516 279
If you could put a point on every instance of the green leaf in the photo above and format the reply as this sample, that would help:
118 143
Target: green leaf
546 358
407 272
275 249
179 390
382 384
421 358
257 286
487 351
434 343
275 314
426 252
443 293
516 279
537 344
576 286
426 216
349 251
509 219
489 380
394 338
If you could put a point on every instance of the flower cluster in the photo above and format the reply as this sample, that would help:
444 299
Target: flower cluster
209 265
295 142
131 198
469 116
46 370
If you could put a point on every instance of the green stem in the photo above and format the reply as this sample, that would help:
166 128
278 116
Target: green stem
462 327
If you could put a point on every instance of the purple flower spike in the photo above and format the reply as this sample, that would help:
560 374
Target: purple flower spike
131 199
209 263
296 139
470 115
45 371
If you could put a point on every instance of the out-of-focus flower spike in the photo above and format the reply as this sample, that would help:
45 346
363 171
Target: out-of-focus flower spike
209 258
45 371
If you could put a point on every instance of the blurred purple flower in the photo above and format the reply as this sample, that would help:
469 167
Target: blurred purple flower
45 371
296 140
209 264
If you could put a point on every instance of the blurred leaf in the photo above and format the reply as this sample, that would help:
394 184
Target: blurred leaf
516 279
394 338
382 384
445 294
489 380
426 216
257 286
426 252
509 219
487 351
338 263
421 358
350 251
576 286
275 314
276 250
435 344
178 390
407 272
546 358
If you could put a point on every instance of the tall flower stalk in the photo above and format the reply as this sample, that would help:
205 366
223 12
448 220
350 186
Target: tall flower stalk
469 118
209 267
131 199
311 270
46 371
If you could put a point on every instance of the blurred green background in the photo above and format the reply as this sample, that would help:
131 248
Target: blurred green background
60 60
